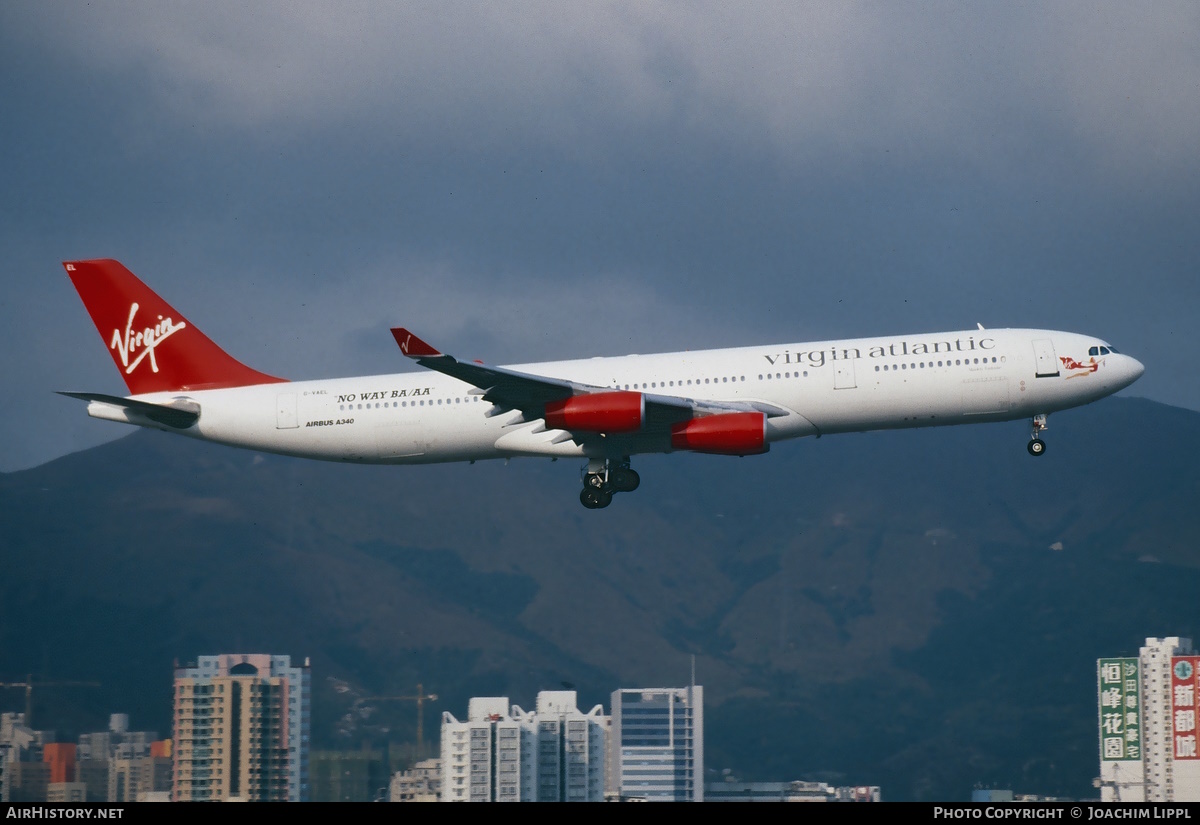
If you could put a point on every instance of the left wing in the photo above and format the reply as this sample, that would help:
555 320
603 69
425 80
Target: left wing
538 396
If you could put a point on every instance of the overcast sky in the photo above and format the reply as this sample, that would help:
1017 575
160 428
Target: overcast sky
533 181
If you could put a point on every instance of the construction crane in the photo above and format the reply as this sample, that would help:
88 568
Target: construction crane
421 698
29 685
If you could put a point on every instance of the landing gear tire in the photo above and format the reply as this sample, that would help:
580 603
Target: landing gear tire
604 477
624 480
1036 447
595 498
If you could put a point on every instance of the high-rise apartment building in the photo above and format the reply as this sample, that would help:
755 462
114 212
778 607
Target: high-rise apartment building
490 757
420 783
60 756
118 742
657 744
128 779
1148 709
570 749
117 764
24 776
242 726
505 754
347 776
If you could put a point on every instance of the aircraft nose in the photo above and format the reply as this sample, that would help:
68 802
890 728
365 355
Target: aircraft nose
1133 370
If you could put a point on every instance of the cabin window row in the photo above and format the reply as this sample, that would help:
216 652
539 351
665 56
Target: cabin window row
664 384
920 365
797 374
423 402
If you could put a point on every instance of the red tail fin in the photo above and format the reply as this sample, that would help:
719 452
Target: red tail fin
155 348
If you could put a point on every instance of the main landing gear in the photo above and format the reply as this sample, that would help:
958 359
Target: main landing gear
1036 446
604 477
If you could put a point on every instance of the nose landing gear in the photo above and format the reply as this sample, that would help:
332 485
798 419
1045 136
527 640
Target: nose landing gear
1036 446
604 477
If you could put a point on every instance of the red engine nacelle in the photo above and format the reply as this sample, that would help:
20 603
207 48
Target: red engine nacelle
601 412
742 433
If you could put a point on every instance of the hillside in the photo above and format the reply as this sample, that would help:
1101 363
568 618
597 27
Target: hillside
919 610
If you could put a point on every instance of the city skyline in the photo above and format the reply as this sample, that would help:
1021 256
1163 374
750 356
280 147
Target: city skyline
649 747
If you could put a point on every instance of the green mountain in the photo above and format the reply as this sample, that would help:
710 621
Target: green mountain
918 610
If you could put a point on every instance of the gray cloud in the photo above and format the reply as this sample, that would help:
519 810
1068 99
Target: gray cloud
806 81
529 181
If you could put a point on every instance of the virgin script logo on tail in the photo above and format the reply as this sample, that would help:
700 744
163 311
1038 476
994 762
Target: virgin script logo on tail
145 340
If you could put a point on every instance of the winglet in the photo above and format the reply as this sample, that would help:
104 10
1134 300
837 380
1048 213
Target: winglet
411 345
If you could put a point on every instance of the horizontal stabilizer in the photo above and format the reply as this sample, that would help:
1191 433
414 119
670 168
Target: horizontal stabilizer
179 416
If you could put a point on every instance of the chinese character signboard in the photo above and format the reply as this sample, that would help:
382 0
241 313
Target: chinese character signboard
1185 705
1119 683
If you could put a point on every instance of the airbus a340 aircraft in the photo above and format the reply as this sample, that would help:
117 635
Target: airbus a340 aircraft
605 410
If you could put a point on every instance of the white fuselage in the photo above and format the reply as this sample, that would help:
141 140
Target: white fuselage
824 387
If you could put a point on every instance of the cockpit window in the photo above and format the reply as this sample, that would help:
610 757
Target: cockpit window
1113 350
1094 351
